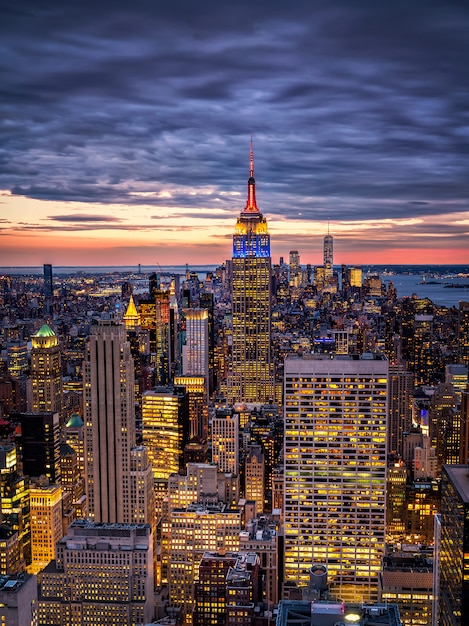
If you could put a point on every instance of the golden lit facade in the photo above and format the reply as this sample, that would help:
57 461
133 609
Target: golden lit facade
225 441
335 470
165 417
250 378
46 372
46 525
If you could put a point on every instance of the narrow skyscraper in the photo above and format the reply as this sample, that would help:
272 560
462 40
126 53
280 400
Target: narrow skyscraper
328 255
250 378
46 372
117 472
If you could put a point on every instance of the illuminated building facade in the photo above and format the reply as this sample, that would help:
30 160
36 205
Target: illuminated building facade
194 531
195 352
401 387
103 574
165 417
295 268
225 440
463 334
15 499
10 559
46 371
196 387
328 256
453 592
250 378
335 470
254 476
46 525
116 475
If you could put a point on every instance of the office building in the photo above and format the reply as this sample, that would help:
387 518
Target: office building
15 500
197 390
46 525
251 375
165 418
103 574
453 565
225 440
195 530
401 388
254 476
10 555
40 445
335 470
210 588
328 256
295 269
18 600
463 333
46 372
195 352
112 460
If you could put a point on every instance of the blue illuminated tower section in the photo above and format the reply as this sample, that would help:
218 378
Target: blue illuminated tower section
251 378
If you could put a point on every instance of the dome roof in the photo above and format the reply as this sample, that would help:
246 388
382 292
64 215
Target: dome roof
45 331
75 421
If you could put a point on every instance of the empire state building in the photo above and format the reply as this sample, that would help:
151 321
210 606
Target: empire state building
251 378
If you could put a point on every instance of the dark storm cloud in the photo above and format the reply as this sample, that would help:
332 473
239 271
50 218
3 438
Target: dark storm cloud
358 110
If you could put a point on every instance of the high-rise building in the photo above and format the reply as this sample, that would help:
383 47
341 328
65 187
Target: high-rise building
165 418
48 287
328 256
194 531
295 269
196 387
254 476
453 564
48 281
40 445
103 574
15 499
401 387
112 460
250 378
46 525
195 352
225 440
335 470
463 333
46 371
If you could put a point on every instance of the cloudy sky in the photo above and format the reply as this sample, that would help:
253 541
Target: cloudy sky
125 127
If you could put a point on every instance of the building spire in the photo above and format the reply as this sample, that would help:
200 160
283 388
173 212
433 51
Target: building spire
251 205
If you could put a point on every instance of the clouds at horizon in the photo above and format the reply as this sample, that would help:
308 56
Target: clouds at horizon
359 112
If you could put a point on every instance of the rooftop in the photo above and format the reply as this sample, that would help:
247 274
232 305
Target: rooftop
459 477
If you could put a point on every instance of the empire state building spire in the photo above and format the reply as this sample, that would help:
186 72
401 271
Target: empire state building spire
251 205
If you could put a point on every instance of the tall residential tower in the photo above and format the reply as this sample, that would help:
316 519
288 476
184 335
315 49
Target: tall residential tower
251 377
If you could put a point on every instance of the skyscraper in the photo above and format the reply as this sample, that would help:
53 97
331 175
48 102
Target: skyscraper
117 472
328 255
250 378
46 371
335 470
453 565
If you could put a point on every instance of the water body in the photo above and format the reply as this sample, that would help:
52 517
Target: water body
407 279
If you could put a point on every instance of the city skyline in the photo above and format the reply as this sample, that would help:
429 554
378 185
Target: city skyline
125 135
